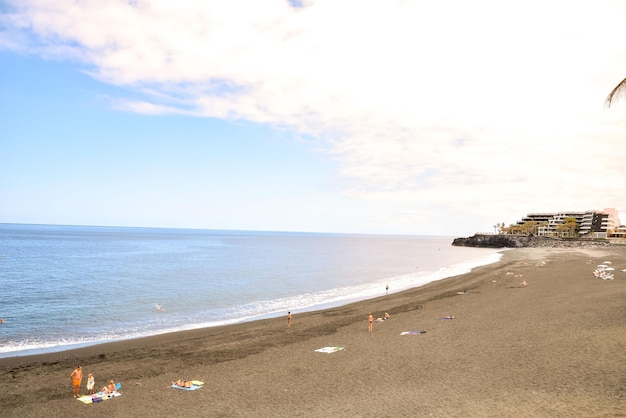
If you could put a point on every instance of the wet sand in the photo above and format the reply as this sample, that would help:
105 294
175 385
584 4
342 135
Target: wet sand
553 348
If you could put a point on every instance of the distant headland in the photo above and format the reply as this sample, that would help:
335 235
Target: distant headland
520 241
583 229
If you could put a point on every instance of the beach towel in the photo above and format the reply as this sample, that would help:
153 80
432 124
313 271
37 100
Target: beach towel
329 349
98 397
413 333
195 385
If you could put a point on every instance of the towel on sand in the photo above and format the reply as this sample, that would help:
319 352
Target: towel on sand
329 349
195 384
413 332
98 397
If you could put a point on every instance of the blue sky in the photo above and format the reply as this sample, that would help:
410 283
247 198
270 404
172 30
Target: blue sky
263 116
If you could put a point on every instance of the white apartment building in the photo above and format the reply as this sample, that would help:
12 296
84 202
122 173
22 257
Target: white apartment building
590 223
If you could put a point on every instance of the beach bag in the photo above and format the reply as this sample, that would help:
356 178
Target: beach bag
96 400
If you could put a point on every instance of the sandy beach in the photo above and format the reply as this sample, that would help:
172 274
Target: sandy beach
553 348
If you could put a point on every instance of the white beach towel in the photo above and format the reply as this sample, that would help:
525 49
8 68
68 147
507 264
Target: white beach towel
329 349
413 332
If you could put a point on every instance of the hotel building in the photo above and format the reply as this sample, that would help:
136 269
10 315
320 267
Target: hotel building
590 224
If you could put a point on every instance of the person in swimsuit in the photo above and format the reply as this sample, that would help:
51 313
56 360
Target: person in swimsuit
182 383
109 389
370 319
289 318
90 383
77 377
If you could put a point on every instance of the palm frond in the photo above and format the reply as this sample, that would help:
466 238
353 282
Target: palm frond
616 93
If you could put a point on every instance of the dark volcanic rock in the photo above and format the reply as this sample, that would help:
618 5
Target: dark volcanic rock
519 241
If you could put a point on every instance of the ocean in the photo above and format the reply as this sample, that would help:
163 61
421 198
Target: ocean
63 287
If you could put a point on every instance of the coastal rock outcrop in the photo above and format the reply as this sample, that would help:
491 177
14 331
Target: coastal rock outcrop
519 241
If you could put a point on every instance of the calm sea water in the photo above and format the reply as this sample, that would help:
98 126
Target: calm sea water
68 286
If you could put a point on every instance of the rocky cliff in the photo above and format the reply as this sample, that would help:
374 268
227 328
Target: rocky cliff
518 241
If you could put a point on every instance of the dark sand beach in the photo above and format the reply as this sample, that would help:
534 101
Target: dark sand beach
553 348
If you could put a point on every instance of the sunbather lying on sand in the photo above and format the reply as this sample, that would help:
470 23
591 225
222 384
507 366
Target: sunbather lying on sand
449 317
182 383
379 319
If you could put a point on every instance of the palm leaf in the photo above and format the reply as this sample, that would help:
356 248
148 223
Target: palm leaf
616 93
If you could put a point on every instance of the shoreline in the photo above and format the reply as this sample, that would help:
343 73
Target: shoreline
86 348
437 275
552 348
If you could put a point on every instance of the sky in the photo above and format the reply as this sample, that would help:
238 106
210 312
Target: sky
374 117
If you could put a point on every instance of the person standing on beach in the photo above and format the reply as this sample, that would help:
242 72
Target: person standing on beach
77 378
387 289
90 383
289 318
370 319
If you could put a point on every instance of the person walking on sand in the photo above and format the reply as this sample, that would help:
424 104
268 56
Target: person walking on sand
77 377
289 318
370 319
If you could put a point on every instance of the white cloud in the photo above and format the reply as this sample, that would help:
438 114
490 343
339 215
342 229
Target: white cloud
479 107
